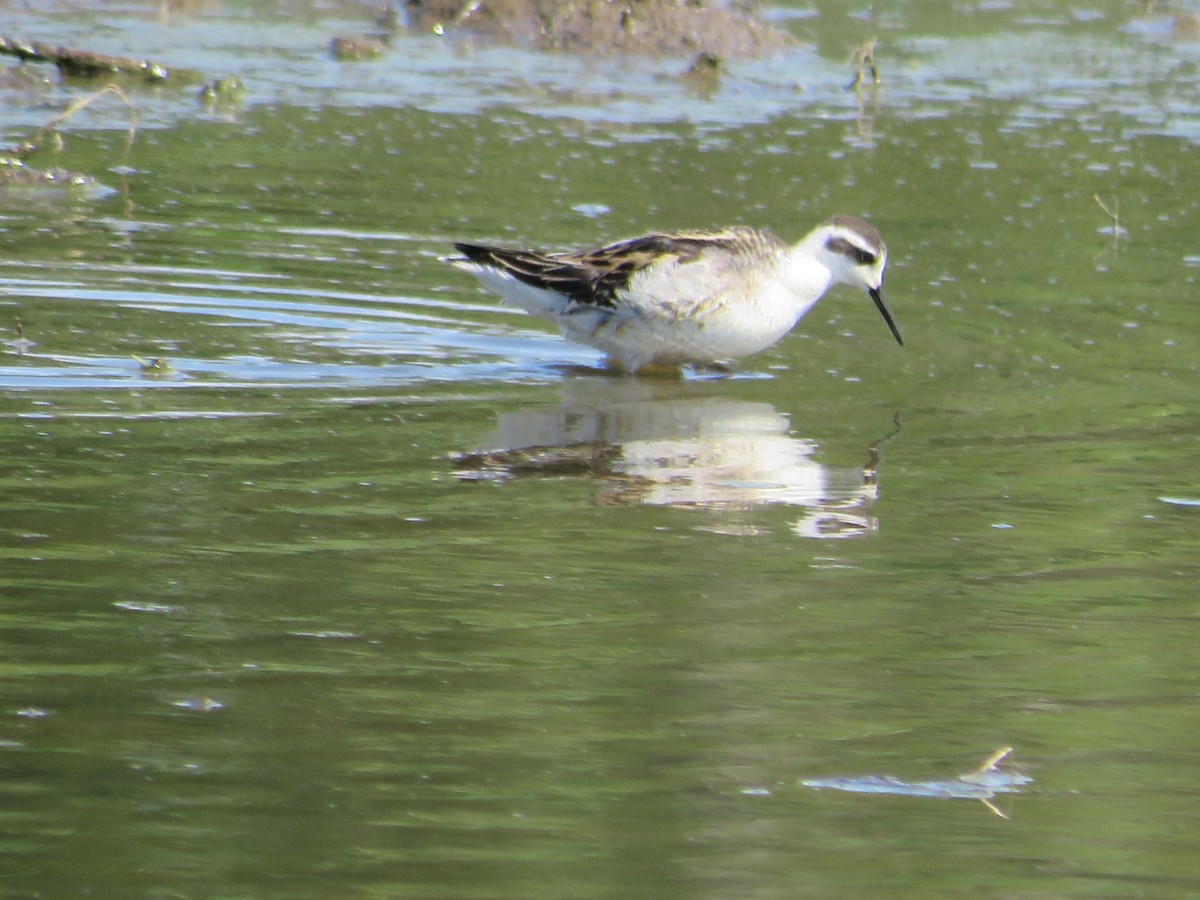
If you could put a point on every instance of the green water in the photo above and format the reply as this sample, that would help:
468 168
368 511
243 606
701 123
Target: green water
382 591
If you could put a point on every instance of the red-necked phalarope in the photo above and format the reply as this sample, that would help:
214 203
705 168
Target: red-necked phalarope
689 296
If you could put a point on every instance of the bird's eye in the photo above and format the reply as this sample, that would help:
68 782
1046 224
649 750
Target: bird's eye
861 257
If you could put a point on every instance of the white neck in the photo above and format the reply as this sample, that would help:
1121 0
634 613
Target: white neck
806 274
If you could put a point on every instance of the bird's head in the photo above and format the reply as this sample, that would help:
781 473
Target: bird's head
854 252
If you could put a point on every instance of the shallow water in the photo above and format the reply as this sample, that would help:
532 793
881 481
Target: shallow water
381 589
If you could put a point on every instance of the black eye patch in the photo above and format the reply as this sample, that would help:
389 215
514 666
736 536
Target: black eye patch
845 248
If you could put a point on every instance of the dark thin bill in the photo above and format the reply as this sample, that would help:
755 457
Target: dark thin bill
877 296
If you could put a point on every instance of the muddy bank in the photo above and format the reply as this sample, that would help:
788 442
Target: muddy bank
729 29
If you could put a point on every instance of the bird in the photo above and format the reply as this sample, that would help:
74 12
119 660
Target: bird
669 299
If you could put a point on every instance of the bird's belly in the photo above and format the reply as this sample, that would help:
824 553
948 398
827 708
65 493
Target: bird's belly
738 329
640 341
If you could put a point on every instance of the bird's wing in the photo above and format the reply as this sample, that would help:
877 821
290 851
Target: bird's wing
597 277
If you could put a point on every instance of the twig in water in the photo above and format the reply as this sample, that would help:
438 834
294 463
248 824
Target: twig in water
1114 214
994 759
27 148
20 344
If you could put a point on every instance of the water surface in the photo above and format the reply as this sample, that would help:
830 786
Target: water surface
381 589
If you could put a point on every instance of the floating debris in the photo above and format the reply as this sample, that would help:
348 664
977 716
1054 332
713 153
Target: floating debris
327 635
351 47
87 64
155 365
983 784
199 704
703 76
755 792
222 90
706 63
1180 501
137 606
14 173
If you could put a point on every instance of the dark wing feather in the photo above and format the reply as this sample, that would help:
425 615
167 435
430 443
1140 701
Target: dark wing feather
595 277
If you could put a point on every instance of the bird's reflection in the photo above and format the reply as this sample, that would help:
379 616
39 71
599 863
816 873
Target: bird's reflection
664 444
